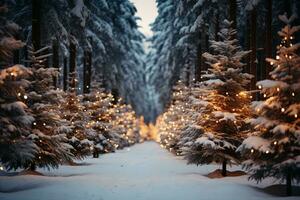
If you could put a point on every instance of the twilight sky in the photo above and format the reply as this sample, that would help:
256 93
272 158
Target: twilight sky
146 9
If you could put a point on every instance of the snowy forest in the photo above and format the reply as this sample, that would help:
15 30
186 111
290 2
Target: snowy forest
205 107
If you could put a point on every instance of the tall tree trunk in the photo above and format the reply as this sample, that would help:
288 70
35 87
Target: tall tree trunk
224 170
233 12
217 25
268 44
55 59
36 24
65 75
288 7
199 61
72 65
289 184
87 71
253 64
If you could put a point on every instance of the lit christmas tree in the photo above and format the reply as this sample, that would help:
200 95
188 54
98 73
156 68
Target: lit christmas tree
16 148
44 100
274 148
175 119
227 106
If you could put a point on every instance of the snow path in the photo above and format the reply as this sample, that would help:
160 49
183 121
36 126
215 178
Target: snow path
144 172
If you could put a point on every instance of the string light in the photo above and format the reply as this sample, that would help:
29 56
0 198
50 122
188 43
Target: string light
282 109
259 87
275 143
19 94
296 115
252 150
25 97
277 57
278 89
267 152
293 94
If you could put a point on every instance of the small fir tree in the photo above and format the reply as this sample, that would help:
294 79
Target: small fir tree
273 148
227 106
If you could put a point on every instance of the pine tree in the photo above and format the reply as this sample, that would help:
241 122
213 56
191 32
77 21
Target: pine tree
228 103
44 100
16 148
273 148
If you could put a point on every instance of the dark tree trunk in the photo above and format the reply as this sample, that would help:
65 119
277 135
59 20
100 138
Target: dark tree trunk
289 184
217 26
268 44
253 64
55 59
115 94
232 12
87 71
36 24
72 65
288 7
224 170
32 167
65 75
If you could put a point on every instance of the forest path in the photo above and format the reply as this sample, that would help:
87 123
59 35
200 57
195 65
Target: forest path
142 172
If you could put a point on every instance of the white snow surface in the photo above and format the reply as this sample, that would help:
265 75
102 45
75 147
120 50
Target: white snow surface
143 172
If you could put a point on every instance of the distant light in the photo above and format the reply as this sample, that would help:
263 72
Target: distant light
25 97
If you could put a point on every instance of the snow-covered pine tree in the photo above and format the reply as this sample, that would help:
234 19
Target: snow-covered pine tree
175 119
44 100
16 148
230 102
273 148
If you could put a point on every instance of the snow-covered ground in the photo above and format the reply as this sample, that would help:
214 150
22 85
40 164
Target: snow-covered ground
143 172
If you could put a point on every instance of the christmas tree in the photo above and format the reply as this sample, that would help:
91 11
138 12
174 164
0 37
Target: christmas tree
44 100
16 148
227 105
273 148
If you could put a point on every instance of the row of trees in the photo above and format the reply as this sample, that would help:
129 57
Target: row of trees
44 126
214 121
107 29
183 29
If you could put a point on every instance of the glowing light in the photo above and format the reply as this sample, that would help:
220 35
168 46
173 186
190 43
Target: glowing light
12 74
25 97
271 63
44 124
252 150
34 123
19 94
259 87
293 94
278 89
296 115
282 109
277 57
267 151
1 168
275 143
265 95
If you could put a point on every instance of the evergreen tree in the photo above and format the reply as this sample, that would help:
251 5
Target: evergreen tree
228 103
273 148
44 100
16 148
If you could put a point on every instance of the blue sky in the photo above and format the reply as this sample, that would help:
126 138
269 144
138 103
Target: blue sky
147 11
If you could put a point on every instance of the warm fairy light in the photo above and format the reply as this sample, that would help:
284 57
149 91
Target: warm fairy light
12 74
227 93
293 94
277 57
291 37
282 109
34 123
44 124
265 95
278 89
25 97
19 94
259 87
267 151
275 143
271 63
252 150
1 168
296 115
